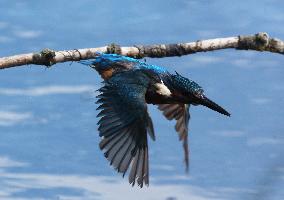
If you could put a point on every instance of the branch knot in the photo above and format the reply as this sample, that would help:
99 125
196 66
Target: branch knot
114 48
45 57
262 40
140 50
259 42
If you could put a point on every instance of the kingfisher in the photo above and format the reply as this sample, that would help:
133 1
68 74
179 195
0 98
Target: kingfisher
129 85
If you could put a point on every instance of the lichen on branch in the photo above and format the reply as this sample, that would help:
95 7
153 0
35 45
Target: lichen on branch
47 57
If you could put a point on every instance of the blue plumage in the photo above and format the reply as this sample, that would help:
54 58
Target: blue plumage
129 85
106 61
185 84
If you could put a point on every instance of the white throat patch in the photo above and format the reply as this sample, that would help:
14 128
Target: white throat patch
162 89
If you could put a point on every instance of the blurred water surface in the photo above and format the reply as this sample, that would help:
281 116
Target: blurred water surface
49 139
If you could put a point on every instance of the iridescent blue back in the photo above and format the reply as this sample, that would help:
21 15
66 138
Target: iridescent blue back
105 61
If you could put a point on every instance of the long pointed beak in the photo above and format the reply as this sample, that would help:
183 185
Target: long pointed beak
212 105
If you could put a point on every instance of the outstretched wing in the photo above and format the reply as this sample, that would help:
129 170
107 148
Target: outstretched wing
124 124
179 112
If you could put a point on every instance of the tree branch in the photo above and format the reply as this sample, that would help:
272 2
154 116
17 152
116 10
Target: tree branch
47 57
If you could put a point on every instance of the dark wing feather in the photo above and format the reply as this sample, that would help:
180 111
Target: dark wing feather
179 112
124 124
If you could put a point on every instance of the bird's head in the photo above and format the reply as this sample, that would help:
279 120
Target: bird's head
194 94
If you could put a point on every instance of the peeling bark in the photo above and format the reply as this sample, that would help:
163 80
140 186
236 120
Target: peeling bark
47 57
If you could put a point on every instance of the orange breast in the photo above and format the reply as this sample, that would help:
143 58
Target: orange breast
106 74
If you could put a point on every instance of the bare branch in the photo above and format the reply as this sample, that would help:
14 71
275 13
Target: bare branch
47 57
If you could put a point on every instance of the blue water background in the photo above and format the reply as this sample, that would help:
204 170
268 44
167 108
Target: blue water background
48 133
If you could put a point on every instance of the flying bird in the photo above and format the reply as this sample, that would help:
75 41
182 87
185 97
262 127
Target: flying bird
128 86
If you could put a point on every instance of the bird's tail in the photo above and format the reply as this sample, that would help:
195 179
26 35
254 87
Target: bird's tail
213 106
